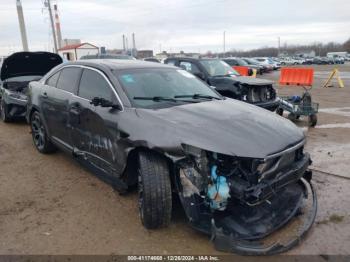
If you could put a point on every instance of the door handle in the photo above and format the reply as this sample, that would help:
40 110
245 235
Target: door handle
45 95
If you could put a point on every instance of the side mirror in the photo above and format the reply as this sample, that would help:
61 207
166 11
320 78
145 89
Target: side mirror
200 75
97 101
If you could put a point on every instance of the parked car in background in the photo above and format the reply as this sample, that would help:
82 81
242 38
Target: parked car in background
269 61
289 61
308 61
252 62
339 60
234 61
228 82
108 56
321 61
16 72
239 171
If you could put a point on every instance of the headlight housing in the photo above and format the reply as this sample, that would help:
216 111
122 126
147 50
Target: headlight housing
18 95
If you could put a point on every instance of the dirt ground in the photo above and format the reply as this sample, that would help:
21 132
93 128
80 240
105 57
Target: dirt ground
50 205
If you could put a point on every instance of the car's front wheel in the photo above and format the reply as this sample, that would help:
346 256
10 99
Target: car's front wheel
3 112
39 134
155 195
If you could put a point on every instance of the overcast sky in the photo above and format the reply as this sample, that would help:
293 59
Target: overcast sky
180 24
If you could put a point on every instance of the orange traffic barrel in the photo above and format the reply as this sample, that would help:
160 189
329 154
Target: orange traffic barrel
297 76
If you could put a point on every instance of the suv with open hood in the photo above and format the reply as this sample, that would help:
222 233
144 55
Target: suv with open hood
228 82
16 72
240 171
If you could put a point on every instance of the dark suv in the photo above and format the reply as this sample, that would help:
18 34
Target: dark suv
228 82
240 171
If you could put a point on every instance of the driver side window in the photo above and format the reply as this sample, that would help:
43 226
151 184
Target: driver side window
93 84
190 67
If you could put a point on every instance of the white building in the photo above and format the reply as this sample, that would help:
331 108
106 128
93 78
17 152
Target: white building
76 51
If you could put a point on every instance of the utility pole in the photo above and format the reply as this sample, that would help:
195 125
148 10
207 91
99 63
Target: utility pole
224 43
22 25
279 45
58 27
123 42
48 3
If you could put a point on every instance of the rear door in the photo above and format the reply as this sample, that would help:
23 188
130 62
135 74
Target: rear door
95 128
58 102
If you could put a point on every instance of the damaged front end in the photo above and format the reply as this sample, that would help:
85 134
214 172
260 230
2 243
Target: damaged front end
248 206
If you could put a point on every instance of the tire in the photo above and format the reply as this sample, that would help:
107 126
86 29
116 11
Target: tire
39 134
3 112
155 195
279 111
312 120
292 117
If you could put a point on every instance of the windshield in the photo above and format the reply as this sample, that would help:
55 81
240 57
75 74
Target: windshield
216 67
251 61
241 62
165 86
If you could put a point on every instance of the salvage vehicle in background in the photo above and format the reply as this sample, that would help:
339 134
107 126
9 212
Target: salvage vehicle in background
228 82
16 72
240 171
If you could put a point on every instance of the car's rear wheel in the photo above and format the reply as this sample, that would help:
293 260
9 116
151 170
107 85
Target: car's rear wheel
3 112
155 200
279 111
39 134
313 120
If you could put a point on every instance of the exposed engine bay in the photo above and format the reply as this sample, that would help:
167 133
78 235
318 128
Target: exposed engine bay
19 86
241 200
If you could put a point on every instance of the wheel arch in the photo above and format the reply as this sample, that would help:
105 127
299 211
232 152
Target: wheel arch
130 174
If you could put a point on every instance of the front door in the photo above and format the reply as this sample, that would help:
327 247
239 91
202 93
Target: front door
94 130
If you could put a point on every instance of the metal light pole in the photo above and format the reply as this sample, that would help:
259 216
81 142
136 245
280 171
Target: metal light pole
22 25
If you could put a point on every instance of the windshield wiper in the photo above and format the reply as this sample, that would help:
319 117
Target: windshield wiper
198 96
155 98
161 98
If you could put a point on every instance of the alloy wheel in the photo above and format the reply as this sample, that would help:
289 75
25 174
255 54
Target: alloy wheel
38 132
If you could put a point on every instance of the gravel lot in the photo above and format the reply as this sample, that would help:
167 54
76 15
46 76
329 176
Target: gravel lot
51 205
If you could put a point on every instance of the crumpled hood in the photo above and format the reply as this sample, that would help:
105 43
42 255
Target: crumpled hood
29 63
227 126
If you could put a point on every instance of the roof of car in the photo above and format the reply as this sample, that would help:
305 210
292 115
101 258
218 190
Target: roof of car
119 64
191 58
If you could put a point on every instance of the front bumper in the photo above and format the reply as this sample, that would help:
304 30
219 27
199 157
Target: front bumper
269 105
275 221
293 226
16 105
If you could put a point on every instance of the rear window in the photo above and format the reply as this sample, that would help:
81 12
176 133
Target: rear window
69 79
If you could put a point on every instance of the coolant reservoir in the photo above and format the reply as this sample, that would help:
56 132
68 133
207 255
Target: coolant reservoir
218 191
